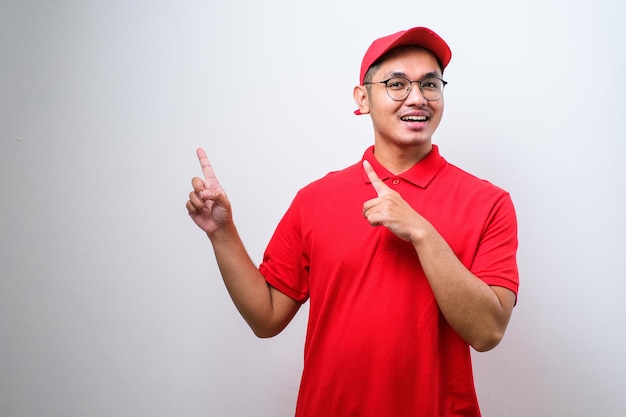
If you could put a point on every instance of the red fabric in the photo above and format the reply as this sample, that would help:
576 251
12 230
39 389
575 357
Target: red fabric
377 344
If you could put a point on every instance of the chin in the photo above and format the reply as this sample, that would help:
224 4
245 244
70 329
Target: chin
415 142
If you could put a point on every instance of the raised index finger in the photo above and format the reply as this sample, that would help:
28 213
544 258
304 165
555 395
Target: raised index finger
209 175
377 183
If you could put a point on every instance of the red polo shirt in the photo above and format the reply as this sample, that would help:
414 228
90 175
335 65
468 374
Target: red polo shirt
377 344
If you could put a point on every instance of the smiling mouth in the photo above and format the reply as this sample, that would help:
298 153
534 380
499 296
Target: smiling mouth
414 118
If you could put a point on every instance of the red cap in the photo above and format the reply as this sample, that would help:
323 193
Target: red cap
418 36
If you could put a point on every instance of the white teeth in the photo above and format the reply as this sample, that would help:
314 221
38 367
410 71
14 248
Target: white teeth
414 118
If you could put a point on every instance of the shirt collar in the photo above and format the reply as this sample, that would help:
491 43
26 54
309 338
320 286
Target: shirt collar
421 174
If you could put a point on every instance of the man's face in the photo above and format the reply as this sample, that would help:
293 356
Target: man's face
412 121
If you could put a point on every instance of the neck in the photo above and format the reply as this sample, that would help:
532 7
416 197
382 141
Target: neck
399 160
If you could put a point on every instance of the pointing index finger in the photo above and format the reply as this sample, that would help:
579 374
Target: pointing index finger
377 183
209 175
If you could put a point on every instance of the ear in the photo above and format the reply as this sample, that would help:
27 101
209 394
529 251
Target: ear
361 99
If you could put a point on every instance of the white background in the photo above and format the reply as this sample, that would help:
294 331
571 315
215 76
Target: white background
110 300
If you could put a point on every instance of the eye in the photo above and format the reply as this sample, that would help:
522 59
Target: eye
431 84
397 84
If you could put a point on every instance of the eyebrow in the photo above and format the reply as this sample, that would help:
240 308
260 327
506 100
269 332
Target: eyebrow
402 74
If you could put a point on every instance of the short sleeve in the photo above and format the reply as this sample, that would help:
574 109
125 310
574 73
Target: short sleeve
285 265
495 261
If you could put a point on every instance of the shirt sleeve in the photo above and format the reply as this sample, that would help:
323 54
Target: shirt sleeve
285 265
496 258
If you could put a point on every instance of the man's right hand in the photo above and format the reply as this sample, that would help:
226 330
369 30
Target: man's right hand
208 205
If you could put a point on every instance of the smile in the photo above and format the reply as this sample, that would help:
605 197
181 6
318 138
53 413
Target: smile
414 118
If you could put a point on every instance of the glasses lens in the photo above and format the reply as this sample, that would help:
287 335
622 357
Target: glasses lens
432 88
398 88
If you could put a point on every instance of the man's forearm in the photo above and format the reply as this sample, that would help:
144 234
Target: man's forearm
477 312
265 310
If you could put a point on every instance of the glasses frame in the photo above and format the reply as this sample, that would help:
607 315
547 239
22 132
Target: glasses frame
410 87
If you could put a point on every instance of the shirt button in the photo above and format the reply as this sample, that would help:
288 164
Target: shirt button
395 181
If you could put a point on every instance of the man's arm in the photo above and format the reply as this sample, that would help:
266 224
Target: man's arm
479 313
266 310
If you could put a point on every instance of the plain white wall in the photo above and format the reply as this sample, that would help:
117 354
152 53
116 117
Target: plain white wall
110 299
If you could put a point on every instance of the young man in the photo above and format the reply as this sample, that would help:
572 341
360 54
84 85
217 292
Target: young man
406 260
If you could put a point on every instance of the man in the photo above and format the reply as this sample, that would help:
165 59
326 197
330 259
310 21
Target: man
406 260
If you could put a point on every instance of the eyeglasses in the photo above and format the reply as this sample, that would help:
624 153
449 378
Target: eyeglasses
399 88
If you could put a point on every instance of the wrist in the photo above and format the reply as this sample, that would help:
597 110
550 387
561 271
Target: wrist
222 233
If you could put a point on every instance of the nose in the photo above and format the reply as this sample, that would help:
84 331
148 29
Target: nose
415 95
